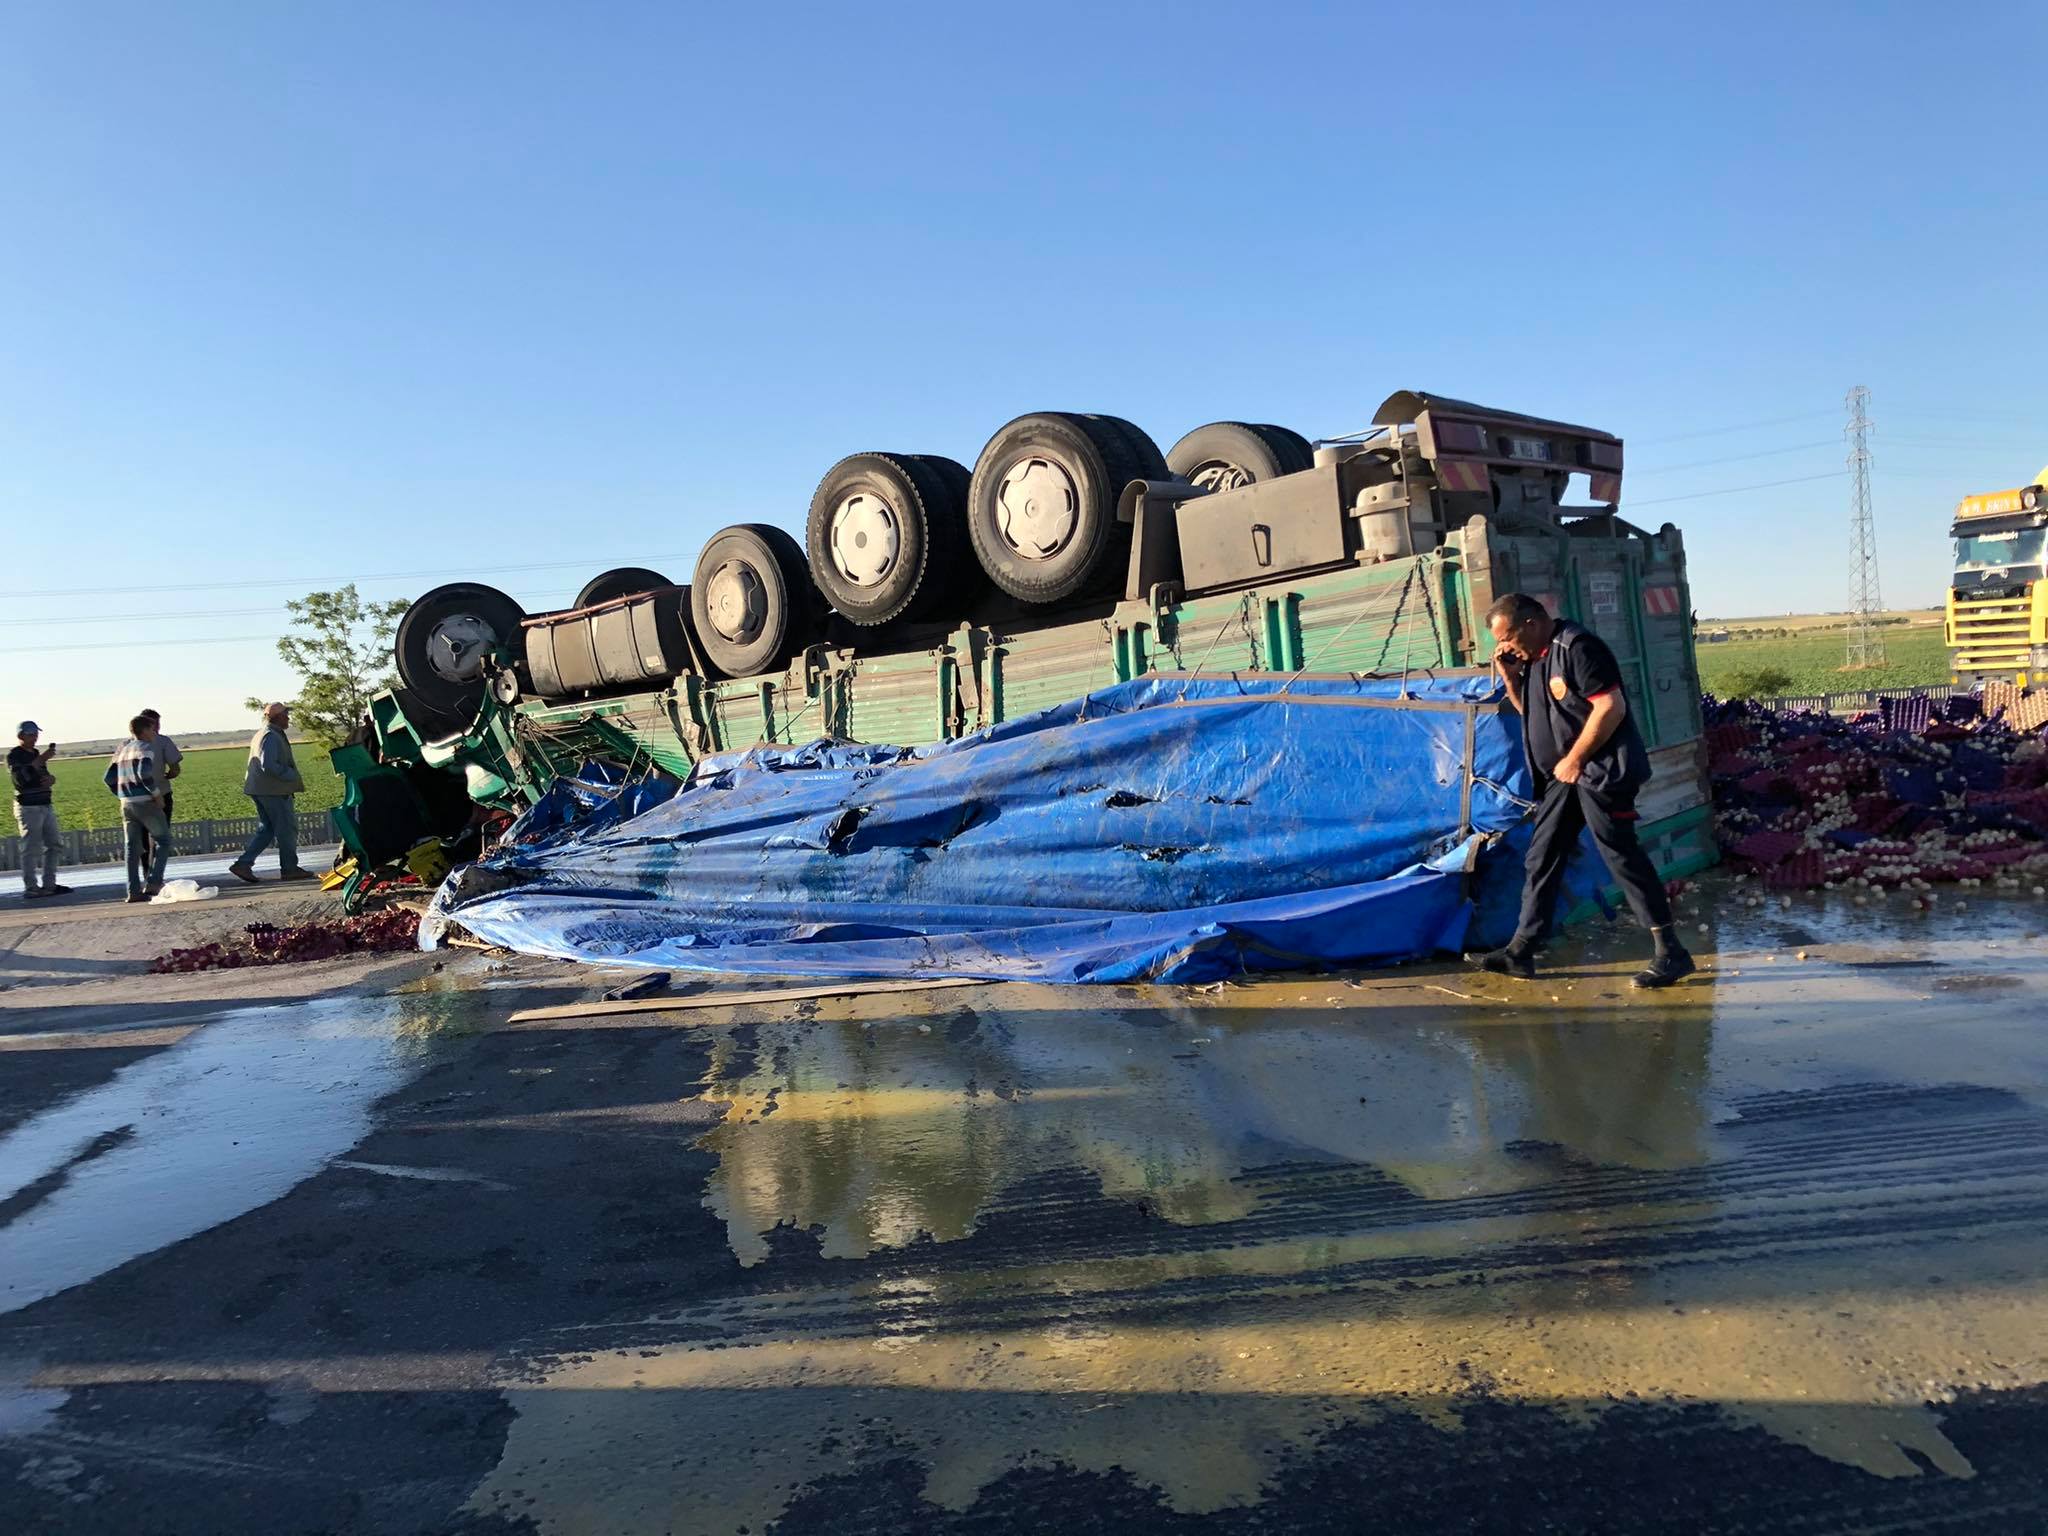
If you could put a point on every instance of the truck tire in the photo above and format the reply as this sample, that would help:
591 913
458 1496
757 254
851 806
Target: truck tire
1146 461
625 581
443 642
752 606
1225 455
887 535
428 723
1041 506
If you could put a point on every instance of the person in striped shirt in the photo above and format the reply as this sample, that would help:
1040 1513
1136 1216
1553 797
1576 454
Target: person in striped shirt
172 758
138 777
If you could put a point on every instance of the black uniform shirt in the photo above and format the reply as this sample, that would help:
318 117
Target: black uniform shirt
1575 669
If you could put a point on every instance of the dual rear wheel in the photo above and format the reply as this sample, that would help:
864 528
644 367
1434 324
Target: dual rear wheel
1229 455
1042 504
887 537
891 538
905 536
752 605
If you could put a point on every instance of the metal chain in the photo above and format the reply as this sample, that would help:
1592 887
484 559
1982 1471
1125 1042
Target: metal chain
1364 613
1241 617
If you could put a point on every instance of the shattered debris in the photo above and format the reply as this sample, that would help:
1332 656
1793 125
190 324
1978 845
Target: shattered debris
291 943
1897 799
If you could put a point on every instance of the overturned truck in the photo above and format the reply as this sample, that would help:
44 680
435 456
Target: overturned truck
930 602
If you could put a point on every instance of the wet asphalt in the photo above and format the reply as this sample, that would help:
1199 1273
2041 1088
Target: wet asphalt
1411 1250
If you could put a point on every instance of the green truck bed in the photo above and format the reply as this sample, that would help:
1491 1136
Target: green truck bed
1416 614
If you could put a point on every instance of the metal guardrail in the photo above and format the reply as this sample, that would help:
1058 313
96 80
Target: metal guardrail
1853 703
218 834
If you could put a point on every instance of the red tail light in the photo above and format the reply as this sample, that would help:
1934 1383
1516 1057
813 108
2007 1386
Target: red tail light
1459 437
1601 456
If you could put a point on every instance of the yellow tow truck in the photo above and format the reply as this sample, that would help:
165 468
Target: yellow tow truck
1997 620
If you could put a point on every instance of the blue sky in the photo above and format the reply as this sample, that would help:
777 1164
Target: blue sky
297 293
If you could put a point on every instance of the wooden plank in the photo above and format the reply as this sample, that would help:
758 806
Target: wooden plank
850 988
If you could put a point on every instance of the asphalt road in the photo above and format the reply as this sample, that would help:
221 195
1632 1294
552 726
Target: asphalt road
1416 1250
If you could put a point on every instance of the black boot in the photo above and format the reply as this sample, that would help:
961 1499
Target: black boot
1669 963
1510 961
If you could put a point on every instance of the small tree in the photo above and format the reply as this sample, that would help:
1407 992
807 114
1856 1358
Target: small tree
341 649
1756 683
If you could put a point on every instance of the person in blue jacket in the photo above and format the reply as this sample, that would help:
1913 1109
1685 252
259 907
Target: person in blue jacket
1589 762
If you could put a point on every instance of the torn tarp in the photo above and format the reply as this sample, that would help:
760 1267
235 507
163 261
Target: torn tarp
1165 829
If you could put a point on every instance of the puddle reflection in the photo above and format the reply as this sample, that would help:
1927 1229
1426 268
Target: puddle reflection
241 1109
876 1134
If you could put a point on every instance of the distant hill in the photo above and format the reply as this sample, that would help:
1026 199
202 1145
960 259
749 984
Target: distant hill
1804 621
188 741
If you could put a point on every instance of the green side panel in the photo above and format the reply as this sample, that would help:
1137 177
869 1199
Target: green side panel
773 708
1536 563
396 738
733 710
796 713
1032 670
1665 602
1632 592
892 699
1221 632
1385 618
1604 578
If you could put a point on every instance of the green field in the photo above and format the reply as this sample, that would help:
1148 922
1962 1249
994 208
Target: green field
1812 660
209 786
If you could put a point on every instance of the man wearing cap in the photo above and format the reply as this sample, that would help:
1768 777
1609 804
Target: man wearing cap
1589 762
272 780
29 768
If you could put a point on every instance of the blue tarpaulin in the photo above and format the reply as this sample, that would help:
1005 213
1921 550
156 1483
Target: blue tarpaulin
1169 829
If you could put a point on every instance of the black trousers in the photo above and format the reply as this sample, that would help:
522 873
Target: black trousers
1564 810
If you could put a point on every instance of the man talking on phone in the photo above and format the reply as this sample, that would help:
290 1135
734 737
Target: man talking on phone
1589 763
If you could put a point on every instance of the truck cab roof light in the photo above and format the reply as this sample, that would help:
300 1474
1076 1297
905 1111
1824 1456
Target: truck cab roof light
1998 503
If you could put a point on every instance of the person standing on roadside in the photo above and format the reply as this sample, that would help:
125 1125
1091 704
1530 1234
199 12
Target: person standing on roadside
173 759
272 780
136 775
34 814
1589 761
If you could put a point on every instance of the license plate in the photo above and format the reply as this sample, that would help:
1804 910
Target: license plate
1534 449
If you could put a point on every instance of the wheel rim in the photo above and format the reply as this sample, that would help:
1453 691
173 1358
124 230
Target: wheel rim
457 647
736 602
1037 508
1220 475
866 539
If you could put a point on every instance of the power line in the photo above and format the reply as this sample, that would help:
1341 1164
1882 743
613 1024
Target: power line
315 581
157 618
1745 426
132 644
1732 458
1975 444
1996 418
1733 490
